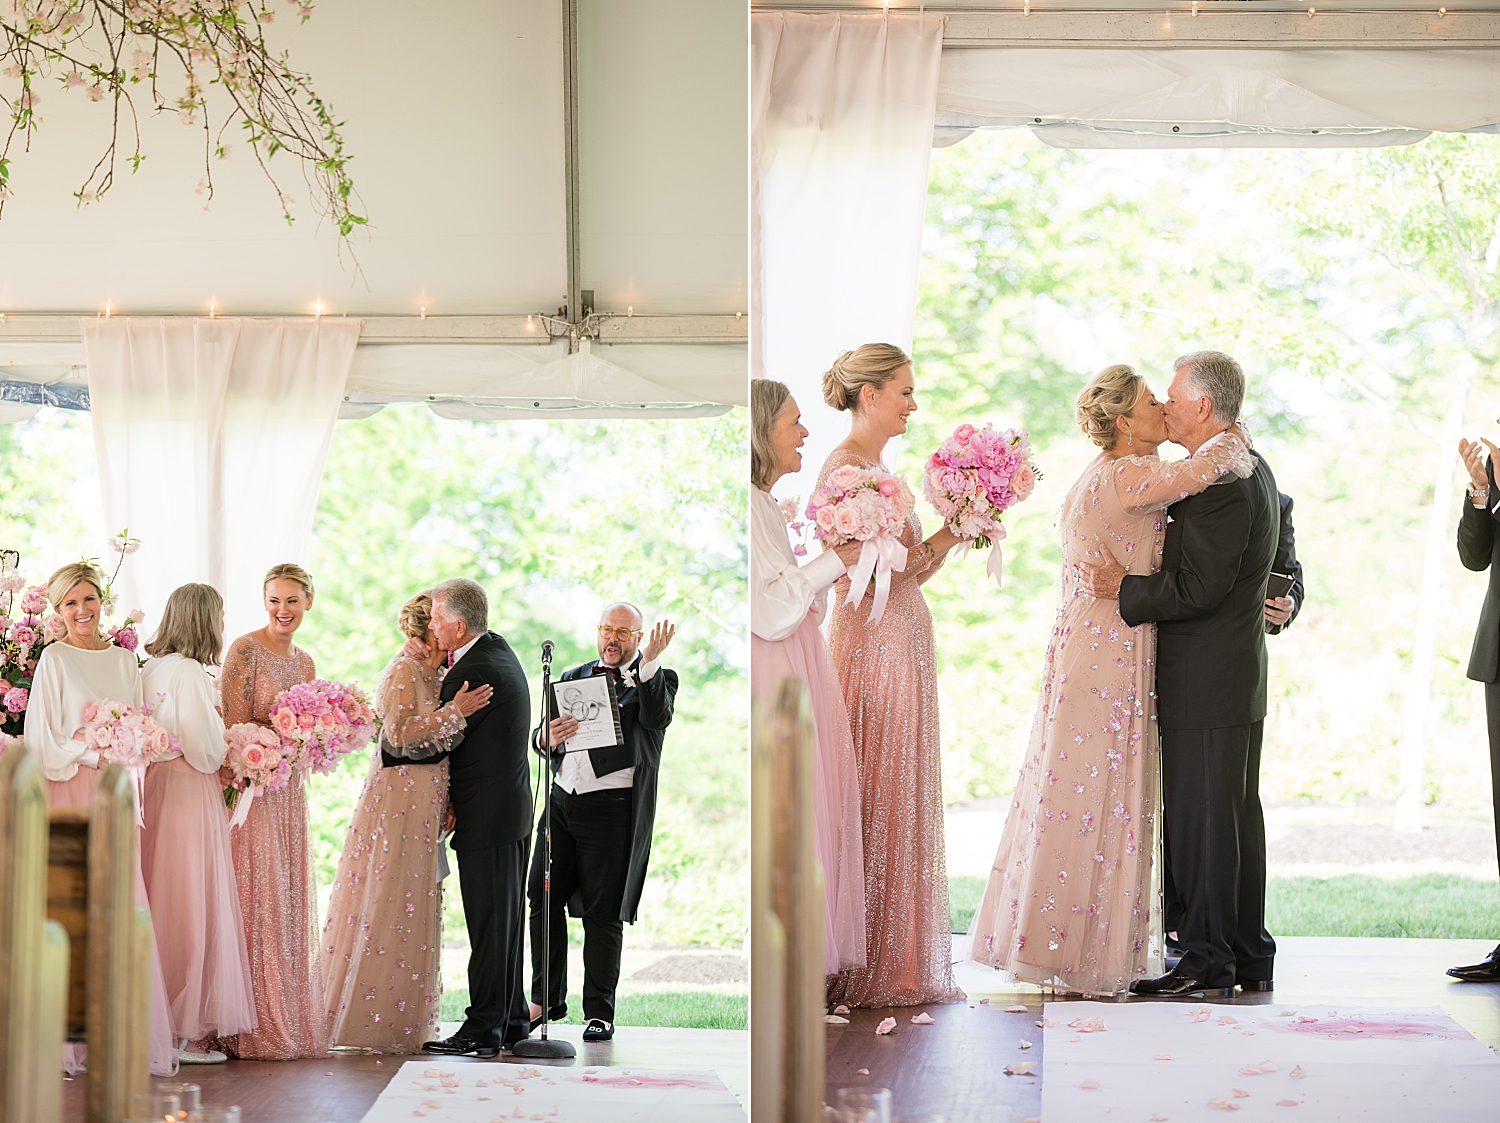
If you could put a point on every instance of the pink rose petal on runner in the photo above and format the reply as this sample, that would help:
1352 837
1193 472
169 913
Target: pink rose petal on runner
1286 1103
1039 1024
887 1025
1287 1014
1025 1044
1267 1066
1226 1020
1089 1085
984 1002
835 1020
1297 1073
861 1072
1015 1009
1249 1070
1020 1068
1075 1037
1162 1057
922 1019
841 1009
1158 1118
1305 1020
1239 1093
1201 1015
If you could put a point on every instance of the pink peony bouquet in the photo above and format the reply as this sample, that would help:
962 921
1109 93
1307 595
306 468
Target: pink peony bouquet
320 722
867 505
974 477
22 634
130 737
259 760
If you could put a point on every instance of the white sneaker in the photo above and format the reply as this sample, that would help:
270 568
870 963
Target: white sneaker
212 1057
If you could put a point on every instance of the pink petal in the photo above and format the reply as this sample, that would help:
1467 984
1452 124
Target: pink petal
1297 1073
1158 1118
1267 1066
1025 1044
1089 1085
1162 1057
984 1002
1239 1093
861 1072
1020 1068
841 1009
1249 1070
922 1019
887 1025
1075 1037
835 1020
1287 1014
1286 1103
1013 1009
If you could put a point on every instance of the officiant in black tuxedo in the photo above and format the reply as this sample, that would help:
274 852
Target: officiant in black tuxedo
603 813
489 788
1479 549
1208 603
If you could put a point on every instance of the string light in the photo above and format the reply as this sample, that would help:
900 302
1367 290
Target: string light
424 311
1442 12
1311 12
630 309
210 309
1026 10
318 309
739 315
531 323
106 310
1195 7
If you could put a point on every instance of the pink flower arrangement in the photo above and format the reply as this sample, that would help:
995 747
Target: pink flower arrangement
21 638
16 698
977 475
125 735
257 756
867 505
320 722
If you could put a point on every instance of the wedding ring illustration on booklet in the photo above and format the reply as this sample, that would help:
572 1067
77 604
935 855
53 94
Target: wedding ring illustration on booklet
592 703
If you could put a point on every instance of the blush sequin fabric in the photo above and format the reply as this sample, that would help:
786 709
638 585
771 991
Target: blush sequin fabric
1072 899
381 950
273 870
888 672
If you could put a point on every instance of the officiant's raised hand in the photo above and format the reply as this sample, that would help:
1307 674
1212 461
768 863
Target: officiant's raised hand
1103 581
661 636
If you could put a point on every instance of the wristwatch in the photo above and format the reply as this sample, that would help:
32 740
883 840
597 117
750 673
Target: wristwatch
1479 496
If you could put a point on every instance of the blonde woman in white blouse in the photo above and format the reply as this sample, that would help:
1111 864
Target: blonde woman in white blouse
185 847
787 603
81 668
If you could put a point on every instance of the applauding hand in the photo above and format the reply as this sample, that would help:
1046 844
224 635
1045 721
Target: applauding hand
661 636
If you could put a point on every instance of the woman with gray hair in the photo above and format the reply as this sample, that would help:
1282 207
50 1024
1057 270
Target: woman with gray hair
787 603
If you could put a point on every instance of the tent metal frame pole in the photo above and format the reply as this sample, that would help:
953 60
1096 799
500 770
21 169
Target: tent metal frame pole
570 165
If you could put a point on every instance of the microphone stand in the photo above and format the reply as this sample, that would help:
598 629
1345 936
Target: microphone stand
544 1047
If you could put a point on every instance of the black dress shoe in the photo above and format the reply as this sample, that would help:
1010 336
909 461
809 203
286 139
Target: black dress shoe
1485 971
1174 984
457 1046
598 1030
1257 986
556 1014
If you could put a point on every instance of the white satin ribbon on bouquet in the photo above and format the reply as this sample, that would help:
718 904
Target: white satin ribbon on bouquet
242 806
994 565
138 781
878 556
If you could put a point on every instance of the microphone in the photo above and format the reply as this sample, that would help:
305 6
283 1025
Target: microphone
547 652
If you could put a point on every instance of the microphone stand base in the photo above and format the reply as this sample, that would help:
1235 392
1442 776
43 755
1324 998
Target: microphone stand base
545 1048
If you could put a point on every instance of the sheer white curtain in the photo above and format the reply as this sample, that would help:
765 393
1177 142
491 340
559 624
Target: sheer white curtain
841 135
211 437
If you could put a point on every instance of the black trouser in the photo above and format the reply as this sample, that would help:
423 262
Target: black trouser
590 857
1171 903
1492 719
492 881
1211 801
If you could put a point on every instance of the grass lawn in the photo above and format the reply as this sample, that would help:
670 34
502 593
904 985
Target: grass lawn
698 1008
1429 906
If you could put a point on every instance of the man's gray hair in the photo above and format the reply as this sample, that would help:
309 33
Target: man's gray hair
1217 377
464 599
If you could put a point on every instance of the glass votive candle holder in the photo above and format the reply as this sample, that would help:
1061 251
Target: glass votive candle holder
865 1105
189 1097
155 1105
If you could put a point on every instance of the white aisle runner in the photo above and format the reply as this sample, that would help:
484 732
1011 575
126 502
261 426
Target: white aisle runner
1171 1062
503 1093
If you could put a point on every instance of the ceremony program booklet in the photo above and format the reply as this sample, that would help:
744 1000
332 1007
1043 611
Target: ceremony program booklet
590 702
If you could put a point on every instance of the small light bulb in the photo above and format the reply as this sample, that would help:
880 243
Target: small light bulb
1195 7
1442 12
318 308
1026 8
1311 12
630 309
424 311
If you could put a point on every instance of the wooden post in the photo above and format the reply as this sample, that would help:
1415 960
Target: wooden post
25 1079
51 1023
118 979
767 938
797 897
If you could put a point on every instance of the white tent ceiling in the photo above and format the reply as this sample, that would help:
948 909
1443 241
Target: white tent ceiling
454 116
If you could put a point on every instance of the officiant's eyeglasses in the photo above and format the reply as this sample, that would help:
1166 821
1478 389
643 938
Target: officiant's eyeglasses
619 633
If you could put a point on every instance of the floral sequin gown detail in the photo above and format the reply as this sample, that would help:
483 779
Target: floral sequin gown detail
273 871
888 672
1073 898
380 956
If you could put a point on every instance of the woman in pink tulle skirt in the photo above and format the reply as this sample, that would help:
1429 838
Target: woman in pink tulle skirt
79 669
787 603
185 846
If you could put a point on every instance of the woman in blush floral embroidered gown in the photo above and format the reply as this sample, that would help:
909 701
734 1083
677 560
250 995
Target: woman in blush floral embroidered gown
1072 900
80 668
379 962
272 851
787 604
888 671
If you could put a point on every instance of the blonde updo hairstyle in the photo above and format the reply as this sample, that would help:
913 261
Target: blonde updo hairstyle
289 571
1111 394
871 364
61 583
416 616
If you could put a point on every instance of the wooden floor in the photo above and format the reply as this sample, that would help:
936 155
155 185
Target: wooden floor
340 1089
955 1067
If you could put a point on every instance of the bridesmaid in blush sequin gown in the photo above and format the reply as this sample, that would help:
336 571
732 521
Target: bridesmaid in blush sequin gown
888 671
380 960
273 850
1072 899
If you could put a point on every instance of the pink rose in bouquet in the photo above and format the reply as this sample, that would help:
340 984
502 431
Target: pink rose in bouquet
16 698
124 735
974 477
259 761
54 627
320 722
34 602
870 506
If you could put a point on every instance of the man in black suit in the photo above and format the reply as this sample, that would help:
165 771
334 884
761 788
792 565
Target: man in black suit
490 790
1208 602
1478 549
603 812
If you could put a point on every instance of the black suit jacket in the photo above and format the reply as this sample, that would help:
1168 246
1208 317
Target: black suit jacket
489 780
1209 603
1286 562
645 713
1479 549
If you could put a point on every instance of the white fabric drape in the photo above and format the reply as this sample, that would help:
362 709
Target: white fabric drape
211 437
1218 98
841 136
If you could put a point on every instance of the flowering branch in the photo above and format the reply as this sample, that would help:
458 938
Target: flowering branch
119 49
